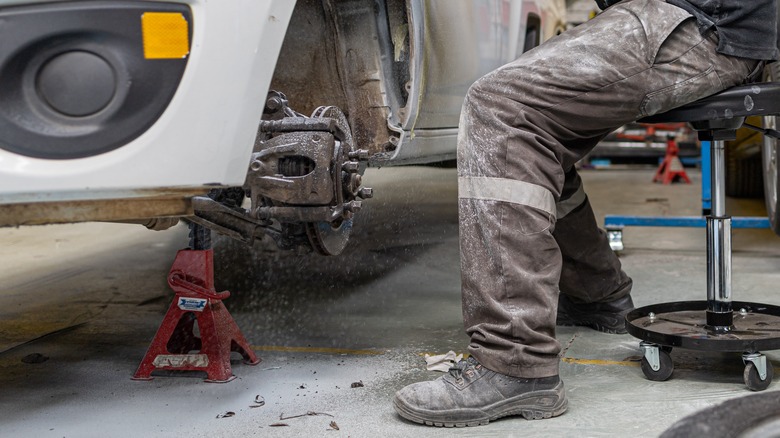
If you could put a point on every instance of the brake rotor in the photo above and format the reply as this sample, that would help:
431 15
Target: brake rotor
330 238
327 239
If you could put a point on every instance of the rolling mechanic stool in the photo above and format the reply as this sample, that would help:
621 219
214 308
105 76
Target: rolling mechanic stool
718 324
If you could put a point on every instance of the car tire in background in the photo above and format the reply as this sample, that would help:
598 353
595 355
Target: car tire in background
769 153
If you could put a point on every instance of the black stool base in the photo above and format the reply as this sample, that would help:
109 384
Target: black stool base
684 324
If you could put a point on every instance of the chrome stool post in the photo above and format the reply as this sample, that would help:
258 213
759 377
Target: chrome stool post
719 311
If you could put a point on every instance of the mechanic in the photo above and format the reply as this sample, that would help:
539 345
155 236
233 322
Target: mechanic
531 251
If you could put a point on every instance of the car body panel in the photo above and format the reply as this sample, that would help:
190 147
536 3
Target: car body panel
399 69
456 42
204 137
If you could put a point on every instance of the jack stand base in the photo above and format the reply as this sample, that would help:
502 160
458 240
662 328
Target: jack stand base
671 169
176 347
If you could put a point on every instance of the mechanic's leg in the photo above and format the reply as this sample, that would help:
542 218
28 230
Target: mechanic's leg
522 125
594 289
591 270
527 122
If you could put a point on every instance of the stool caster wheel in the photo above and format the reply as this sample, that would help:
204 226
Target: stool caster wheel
757 366
615 238
656 364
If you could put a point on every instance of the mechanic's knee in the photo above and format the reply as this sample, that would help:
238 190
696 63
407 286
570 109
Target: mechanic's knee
483 91
475 95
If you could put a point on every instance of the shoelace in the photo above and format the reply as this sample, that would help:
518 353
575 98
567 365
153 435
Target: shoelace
457 370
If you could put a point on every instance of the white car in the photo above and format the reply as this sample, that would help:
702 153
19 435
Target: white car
157 110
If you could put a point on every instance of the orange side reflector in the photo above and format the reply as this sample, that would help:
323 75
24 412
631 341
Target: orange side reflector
165 34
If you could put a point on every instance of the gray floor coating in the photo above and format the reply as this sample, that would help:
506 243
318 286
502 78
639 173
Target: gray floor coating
321 324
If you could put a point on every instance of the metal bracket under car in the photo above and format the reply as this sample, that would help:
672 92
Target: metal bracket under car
304 181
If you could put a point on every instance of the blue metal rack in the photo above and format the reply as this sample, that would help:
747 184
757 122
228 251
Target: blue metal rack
614 224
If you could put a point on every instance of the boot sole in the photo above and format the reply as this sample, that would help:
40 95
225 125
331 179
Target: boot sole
480 417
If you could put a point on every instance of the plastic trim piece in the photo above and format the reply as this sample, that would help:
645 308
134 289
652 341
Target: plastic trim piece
56 107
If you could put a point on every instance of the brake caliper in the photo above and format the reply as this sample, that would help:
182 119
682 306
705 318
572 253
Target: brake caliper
306 174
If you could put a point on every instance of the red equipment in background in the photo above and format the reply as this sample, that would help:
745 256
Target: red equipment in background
671 169
176 346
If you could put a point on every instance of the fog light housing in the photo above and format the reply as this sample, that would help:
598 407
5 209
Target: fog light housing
76 82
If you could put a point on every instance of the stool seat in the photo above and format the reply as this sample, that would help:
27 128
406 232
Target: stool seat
759 99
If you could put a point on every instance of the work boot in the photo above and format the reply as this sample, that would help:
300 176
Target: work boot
471 395
607 317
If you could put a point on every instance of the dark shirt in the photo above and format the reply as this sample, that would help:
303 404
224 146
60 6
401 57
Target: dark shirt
746 28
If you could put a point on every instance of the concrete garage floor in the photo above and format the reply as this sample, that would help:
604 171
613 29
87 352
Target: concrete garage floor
89 297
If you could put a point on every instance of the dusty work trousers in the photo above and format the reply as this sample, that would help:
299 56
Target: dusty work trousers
527 230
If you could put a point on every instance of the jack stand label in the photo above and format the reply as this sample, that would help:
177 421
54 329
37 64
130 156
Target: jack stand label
181 360
192 304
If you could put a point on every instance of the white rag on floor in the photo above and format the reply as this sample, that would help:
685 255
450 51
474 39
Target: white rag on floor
442 362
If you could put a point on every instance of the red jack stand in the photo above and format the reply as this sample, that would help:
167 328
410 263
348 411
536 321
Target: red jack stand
671 169
196 300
